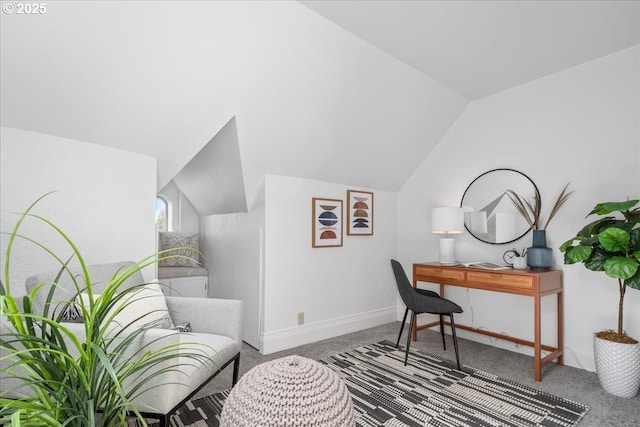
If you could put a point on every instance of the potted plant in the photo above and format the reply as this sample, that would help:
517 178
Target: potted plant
539 256
84 376
612 244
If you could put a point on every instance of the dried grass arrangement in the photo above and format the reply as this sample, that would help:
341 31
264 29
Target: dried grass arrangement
531 211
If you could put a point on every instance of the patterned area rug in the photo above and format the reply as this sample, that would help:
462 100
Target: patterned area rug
429 391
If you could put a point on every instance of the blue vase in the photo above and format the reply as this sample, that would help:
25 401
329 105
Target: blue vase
539 256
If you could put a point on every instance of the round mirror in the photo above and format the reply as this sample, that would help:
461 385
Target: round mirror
489 213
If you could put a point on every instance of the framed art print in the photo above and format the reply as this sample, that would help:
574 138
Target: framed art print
359 213
326 230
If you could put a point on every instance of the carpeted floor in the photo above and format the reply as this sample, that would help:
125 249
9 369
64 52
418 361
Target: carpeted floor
571 383
428 391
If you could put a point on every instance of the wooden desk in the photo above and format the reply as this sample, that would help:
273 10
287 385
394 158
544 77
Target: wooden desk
530 283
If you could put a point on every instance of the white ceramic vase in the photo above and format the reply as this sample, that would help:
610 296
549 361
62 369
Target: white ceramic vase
618 366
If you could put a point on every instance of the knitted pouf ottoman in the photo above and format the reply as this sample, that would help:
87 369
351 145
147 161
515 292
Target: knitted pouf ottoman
287 392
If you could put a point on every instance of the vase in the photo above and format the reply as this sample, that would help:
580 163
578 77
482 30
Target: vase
617 366
539 256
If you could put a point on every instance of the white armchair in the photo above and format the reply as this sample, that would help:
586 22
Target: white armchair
217 323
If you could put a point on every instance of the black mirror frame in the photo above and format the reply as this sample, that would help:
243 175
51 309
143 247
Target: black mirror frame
488 172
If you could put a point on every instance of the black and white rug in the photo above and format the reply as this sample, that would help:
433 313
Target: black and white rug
429 391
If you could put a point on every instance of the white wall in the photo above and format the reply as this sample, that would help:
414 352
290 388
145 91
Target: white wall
233 248
579 126
339 289
104 200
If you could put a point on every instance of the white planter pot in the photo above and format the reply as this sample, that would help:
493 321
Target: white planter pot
618 366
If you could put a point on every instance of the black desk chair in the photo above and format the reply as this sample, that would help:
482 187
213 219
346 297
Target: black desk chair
423 301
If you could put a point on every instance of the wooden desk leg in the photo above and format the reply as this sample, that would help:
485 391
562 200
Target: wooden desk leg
560 329
414 330
537 350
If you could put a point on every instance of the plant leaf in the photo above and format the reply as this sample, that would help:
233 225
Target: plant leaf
608 207
597 259
615 240
521 206
620 267
562 198
578 253
569 243
634 282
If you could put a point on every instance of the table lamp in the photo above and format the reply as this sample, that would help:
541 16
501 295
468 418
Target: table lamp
447 220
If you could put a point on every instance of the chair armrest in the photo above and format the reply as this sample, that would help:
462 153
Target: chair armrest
208 315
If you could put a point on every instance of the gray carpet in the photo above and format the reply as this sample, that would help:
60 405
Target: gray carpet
568 382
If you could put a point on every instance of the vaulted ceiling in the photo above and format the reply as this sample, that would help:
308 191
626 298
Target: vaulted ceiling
159 78
478 48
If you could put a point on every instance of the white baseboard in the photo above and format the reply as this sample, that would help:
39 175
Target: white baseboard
272 341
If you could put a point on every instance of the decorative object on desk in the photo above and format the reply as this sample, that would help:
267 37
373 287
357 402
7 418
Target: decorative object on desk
612 244
359 213
509 256
539 256
485 265
520 263
447 220
489 215
326 228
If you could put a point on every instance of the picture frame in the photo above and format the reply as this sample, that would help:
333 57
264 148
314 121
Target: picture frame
326 226
359 213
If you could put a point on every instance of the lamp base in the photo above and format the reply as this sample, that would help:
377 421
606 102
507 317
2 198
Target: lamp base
447 251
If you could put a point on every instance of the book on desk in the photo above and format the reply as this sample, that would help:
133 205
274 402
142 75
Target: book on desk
484 265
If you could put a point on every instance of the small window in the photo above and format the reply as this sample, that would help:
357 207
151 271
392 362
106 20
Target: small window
162 214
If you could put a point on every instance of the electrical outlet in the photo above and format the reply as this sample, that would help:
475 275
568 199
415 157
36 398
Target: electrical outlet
301 318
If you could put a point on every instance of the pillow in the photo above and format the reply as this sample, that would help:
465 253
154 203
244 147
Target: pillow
148 301
73 313
189 246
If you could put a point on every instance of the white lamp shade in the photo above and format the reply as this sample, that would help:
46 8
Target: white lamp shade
447 220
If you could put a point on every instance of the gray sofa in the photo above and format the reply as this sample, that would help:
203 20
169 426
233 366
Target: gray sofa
214 322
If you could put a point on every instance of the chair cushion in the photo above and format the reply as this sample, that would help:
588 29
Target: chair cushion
175 272
169 389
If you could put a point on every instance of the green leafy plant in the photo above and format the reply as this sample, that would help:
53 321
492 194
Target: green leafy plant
87 379
610 244
531 210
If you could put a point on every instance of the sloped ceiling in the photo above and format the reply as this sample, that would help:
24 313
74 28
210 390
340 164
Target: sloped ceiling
212 180
478 48
163 78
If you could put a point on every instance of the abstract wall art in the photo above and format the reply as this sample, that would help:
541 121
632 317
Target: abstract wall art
359 213
326 230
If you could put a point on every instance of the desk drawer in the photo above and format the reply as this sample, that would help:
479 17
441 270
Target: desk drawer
435 273
501 280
